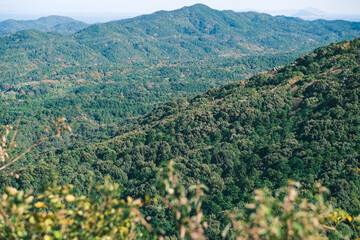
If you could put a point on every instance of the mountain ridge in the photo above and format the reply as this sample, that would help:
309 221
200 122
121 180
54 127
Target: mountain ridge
199 31
52 23
236 33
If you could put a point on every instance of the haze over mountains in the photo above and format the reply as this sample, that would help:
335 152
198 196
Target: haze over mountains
314 14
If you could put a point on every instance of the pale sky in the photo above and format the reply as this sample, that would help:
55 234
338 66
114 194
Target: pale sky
61 7
148 6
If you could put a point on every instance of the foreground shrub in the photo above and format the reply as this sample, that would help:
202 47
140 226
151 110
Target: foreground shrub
58 214
284 215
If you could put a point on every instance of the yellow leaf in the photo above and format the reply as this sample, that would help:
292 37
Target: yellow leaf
29 199
349 218
11 191
47 237
32 220
70 198
39 204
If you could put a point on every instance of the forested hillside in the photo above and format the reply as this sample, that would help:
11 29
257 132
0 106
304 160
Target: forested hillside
201 32
58 24
107 73
299 122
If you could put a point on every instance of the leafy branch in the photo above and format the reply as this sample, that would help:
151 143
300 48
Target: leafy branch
58 127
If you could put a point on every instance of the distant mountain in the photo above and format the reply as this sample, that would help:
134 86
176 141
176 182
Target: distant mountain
306 14
201 32
314 14
58 24
195 32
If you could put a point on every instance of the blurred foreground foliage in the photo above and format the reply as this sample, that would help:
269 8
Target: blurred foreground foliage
58 214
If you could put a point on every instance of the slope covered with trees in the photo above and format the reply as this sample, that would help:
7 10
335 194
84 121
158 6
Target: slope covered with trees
299 122
110 72
58 24
201 32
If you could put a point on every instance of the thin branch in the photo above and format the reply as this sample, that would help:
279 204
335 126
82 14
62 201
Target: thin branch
25 152
13 139
15 133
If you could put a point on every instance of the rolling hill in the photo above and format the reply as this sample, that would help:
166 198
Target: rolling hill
201 32
58 24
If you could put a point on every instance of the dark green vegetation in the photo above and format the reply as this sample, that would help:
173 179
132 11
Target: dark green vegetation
91 97
58 24
110 72
299 122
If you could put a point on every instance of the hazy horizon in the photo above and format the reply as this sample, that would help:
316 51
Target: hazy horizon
92 11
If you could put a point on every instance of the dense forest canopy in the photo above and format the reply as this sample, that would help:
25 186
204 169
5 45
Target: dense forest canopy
299 121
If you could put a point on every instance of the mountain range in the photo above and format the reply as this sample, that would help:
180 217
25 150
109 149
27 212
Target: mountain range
190 33
199 31
193 32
